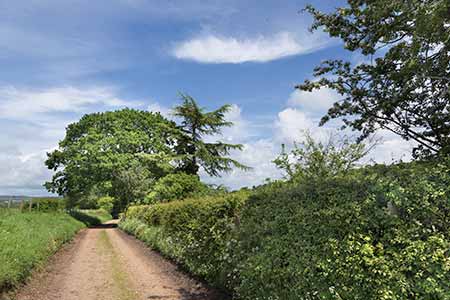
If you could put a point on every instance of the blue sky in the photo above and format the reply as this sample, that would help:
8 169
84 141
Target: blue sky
62 59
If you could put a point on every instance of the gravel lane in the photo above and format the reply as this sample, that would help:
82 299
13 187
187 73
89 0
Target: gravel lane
107 264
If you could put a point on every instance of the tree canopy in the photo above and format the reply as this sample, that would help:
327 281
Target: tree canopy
403 84
101 145
126 154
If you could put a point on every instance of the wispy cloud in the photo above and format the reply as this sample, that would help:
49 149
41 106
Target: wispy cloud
22 103
180 9
221 49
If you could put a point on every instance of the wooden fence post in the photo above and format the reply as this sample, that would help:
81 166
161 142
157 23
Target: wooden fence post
9 202
37 202
21 204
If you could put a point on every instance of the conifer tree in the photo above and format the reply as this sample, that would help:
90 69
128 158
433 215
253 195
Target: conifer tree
195 125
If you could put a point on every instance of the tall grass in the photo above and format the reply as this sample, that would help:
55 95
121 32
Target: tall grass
28 239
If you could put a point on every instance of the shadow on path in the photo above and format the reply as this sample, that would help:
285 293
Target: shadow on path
104 226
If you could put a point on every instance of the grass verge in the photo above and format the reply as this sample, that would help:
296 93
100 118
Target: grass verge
28 239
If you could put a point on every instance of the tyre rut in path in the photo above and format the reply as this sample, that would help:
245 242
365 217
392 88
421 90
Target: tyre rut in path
107 264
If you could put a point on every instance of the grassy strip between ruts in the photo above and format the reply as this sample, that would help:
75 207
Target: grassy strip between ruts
28 239
121 281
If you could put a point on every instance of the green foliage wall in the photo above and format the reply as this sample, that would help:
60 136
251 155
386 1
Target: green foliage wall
106 203
90 217
176 186
382 233
194 232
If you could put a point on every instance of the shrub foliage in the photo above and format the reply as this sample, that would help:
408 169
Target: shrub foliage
194 232
382 233
176 186
373 233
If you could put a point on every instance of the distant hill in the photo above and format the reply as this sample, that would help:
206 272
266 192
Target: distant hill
14 198
5 198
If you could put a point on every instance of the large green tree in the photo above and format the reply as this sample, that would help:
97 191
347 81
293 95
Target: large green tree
111 148
403 85
196 124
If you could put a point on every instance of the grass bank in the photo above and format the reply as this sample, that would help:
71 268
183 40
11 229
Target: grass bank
100 214
91 217
28 239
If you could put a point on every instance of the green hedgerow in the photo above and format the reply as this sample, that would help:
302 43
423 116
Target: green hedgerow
194 232
380 232
376 234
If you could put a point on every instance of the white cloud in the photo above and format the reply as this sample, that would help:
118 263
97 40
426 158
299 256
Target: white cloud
258 155
392 148
220 49
292 124
317 101
23 103
241 131
22 152
23 174
163 110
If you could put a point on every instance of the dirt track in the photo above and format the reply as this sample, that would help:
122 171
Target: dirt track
106 264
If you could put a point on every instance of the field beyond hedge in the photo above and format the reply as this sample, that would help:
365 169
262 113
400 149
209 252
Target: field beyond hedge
376 233
100 214
91 217
28 239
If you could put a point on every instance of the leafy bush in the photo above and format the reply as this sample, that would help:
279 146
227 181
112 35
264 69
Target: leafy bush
176 186
106 203
28 239
381 233
46 204
153 236
195 232
317 159
130 185
50 204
